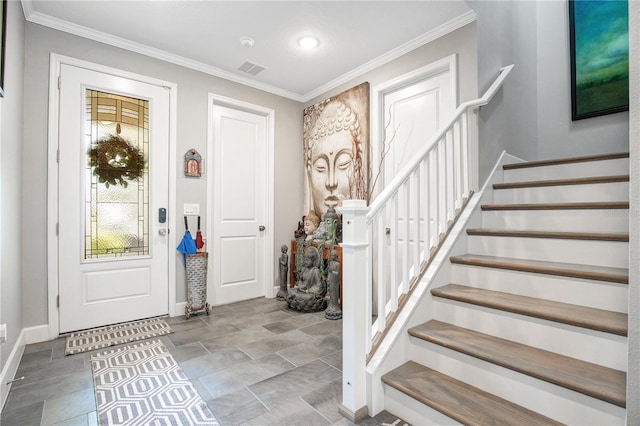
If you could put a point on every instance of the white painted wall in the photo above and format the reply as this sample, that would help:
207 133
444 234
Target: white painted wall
193 90
558 136
633 362
11 170
461 41
535 122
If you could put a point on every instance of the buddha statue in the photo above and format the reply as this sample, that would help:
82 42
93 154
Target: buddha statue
310 289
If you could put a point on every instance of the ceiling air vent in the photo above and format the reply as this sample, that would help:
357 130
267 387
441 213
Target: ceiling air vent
251 68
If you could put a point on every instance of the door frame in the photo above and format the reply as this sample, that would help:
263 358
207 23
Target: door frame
55 63
447 64
269 114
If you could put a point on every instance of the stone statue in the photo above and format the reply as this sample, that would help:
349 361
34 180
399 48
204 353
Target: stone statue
331 222
311 224
309 291
284 272
333 311
300 231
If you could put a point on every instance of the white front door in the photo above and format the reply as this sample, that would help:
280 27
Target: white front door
113 248
239 204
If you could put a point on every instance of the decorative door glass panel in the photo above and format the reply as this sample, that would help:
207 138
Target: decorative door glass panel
116 181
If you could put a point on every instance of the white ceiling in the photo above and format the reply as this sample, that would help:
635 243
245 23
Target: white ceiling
355 36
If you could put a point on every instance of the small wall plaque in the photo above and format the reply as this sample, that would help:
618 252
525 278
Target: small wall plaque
192 163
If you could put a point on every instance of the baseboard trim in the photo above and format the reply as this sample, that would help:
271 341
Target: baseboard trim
11 366
37 334
178 309
360 414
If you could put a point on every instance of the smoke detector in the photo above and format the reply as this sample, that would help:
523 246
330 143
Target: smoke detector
247 41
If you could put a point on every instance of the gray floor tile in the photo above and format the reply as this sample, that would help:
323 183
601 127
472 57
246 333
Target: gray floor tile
292 323
237 377
334 360
323 328
30 415
190 324
274 344
234 359
309 351
237 339
49 388
326 400
69 406
293 383
199 334
189 351
210 363
236 408
53 368
291 412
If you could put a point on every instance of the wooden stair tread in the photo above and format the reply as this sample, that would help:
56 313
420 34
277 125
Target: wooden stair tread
592 236
579 316
555 162
590 379
591 272
460 401
612 205
562 182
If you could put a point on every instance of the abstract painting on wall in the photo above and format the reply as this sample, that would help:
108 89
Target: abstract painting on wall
599 36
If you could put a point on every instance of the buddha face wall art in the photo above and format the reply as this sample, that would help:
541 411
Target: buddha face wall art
336 150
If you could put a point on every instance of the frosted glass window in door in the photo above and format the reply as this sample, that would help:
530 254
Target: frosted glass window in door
116 176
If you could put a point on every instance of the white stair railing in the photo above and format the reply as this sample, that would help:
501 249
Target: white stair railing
385 245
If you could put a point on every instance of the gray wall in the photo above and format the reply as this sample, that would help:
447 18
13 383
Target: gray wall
531 117
11 168
193 89
558 136
461 41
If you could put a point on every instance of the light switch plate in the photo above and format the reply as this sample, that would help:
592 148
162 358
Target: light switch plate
191 209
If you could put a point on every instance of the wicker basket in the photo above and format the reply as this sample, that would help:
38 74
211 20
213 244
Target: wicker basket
196 266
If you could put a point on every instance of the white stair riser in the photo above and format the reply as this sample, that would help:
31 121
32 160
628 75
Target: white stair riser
553 401
590 293
615 167
617 191
576 342
614 220
613 254
413 411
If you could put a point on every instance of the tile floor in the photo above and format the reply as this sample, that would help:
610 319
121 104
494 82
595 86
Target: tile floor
254 363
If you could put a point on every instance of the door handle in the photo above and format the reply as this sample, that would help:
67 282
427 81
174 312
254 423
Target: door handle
163 231
262 228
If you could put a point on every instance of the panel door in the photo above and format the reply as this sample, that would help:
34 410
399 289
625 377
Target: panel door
238 270
113 161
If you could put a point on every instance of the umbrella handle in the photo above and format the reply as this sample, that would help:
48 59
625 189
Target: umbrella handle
186 224
198 223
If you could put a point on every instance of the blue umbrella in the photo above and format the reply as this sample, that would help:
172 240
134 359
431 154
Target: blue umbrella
187 245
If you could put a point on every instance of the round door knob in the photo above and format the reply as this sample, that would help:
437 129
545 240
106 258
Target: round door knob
262 227
163 231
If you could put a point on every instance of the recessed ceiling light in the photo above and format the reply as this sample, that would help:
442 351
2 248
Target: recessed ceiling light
308 42
246 41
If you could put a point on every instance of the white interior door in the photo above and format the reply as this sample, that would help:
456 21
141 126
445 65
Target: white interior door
239 204
409 110
113 248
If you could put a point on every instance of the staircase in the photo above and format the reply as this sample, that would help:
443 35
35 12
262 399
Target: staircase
532 327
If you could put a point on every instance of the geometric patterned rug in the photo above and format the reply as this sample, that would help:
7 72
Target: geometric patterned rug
115 335
141 384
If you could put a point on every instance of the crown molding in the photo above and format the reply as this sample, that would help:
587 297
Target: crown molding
99 36
440 31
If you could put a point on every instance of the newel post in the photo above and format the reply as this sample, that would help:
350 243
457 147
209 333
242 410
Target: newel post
354 318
